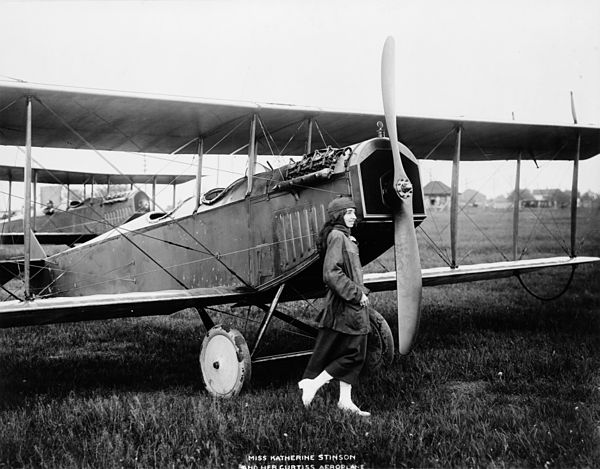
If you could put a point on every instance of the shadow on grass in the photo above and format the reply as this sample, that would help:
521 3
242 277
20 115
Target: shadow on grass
132 355
141 362
161 353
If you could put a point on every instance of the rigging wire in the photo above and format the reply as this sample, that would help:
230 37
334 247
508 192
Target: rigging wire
461 209
483 153
267 139
590 228
561 242
320 133
11 293
18 80
119 228
442 254
300 126
9 105
175 220
485 235
255 321
326 133
436 146
108 123
151 271
241 119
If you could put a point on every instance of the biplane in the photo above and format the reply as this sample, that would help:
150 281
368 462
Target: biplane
83 217
254 242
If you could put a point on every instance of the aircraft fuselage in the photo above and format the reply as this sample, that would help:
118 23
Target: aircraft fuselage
257 240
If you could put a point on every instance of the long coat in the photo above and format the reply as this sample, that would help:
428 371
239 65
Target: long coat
342 273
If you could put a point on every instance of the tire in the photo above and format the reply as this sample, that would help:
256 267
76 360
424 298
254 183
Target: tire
380 344
225 362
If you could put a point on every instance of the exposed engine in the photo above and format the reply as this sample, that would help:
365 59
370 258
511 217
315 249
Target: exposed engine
316 161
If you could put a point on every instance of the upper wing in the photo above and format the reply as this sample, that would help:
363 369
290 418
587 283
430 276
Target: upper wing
56 176
471 273
80 118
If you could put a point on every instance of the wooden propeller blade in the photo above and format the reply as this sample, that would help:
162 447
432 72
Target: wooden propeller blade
406 250
388 91
408 277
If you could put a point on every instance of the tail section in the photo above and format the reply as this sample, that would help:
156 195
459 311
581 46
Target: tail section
13 268
36 251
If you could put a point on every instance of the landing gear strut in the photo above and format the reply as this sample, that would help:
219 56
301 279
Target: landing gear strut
226 361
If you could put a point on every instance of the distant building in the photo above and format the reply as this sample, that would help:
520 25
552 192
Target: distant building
542 198
472 198
590 200
501 203
548 198
437 195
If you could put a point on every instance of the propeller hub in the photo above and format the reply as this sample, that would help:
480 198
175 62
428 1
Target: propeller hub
404 188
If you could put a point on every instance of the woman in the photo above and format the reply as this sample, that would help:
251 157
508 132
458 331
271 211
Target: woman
341 344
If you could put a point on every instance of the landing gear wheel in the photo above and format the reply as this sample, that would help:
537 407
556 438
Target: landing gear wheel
380 343
225 361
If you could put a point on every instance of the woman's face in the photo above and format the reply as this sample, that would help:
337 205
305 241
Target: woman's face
350 217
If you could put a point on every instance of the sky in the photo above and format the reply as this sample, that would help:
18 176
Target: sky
475 59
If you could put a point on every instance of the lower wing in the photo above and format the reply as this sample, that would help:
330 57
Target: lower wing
94 307
474 272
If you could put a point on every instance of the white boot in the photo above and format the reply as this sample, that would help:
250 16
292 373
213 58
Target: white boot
311 386
345 402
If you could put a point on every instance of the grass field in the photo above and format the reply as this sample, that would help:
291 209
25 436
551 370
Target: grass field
497 378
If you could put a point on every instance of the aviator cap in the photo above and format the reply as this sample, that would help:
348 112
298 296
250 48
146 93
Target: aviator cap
341 203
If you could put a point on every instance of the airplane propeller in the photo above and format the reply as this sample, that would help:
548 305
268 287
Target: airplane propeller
406 250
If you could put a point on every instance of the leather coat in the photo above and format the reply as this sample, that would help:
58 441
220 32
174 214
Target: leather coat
342 274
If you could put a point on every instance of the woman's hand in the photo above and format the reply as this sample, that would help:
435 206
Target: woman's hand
364 300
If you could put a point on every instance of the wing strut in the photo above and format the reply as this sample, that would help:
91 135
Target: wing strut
198 175
267 318
575 180
516 203
574 195
251 154
9 199
154 193
174 193
34 177
27 211
309 136
454 198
